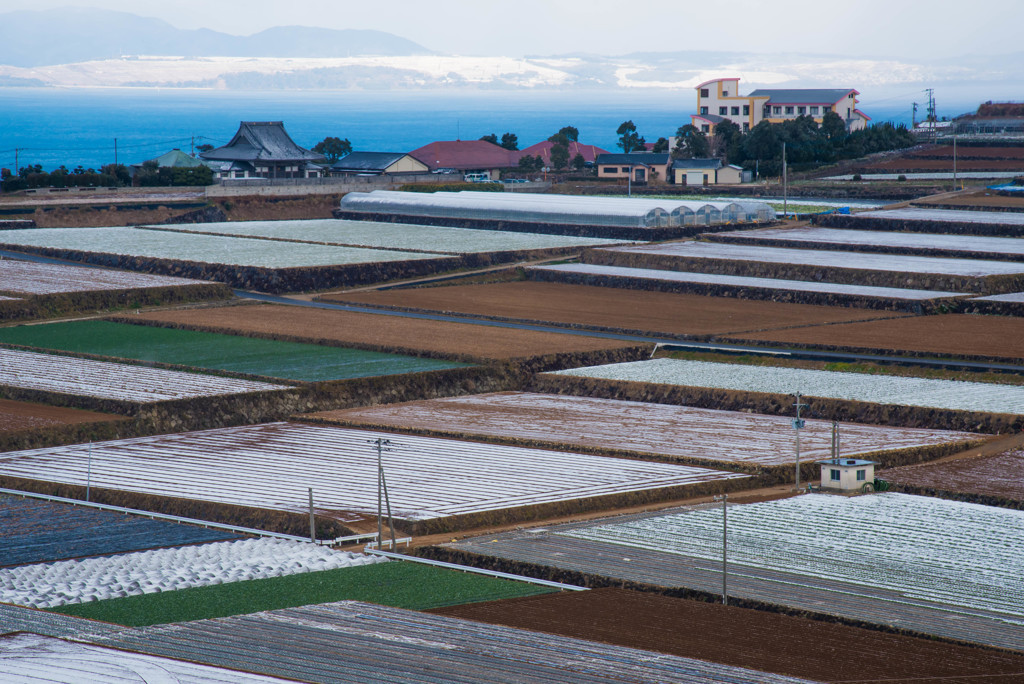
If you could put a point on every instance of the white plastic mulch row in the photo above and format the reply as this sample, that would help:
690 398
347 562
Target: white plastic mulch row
950 552
272 466
35 659
31 278
832 259
744 281
880 238
878 389
394 235
211 249
954 215
46 585
105 380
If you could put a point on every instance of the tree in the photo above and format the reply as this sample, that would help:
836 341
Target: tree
530 163
833 128
205 147
491 138
510 141
660 145
578 162
728 137
691 143
559 156
570 132
559 139
629 139
333 149
119 172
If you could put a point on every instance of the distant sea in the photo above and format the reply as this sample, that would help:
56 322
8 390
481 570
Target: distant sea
51 126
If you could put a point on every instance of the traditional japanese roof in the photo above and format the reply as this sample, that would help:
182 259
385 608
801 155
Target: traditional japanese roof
368 162
713 163
543 150
175 159
645 158
803 96
261 141
465 154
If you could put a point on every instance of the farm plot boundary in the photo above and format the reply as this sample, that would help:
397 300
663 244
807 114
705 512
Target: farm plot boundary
537 568
918 225
752 292
65 303
984 284
782 405
273 280
57 435
766 475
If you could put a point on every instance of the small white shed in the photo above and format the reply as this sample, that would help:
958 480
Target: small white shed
846 474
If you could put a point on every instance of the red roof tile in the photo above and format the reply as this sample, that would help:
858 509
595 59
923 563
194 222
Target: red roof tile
543 150
465 154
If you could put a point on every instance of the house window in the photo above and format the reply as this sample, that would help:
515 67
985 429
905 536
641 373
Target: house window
704 111
735 111
834 475
789 110
814 109
608 169
776 110
801 110
722 111
704 128
746 110
725 93
861 475
704 92
746 125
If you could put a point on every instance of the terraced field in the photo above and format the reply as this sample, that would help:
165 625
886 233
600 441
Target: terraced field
25 277
288 360
16 416
996 476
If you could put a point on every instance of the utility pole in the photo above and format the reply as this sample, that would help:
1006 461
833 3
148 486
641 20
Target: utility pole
725 554
913 117
312 520
88 475
16 169
785 183
954 162
115 151
382 493
798 424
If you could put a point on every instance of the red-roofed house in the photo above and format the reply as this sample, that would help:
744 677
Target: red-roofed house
467 156
543 150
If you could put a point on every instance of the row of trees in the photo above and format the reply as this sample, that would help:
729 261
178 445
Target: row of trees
108 176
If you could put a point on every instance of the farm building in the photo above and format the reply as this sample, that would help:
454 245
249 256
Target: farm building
707 172
720 100
643 166
846 474
377 164
466 156
263 149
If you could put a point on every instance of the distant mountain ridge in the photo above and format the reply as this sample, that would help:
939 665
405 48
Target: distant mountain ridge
64 36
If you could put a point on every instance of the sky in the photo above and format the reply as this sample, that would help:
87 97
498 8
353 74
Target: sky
866 28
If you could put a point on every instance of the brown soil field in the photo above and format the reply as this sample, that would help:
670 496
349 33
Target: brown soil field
769 642
979 200
968 152
962 335
23 415
440 338
991 475
610 308
917 164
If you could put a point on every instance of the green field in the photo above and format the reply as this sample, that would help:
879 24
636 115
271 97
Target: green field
397 584
287 360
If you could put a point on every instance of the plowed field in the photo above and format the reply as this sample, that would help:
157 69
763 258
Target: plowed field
955 334
610 308
23 415
758 640
439 337
998 475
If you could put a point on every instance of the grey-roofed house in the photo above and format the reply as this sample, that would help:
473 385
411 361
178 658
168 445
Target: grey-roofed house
263 149
644 166
377 164
707 172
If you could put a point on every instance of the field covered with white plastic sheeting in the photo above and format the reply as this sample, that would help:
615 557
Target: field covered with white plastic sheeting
35 659
959 554
272 466
398 236
1009 218
208 249
31 278
118 381
880 389
48 585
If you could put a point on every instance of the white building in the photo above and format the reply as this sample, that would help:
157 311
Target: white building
847 474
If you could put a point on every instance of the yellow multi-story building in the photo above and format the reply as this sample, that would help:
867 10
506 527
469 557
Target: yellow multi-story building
720 100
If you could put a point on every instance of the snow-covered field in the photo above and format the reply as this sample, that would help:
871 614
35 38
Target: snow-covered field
878 238
105 380
394 235
831 259
31 278
273 465
35 659
879 389
210 249
954 215
743 281
950 552
47 585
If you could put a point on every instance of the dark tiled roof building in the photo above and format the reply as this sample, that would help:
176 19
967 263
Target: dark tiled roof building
263 149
